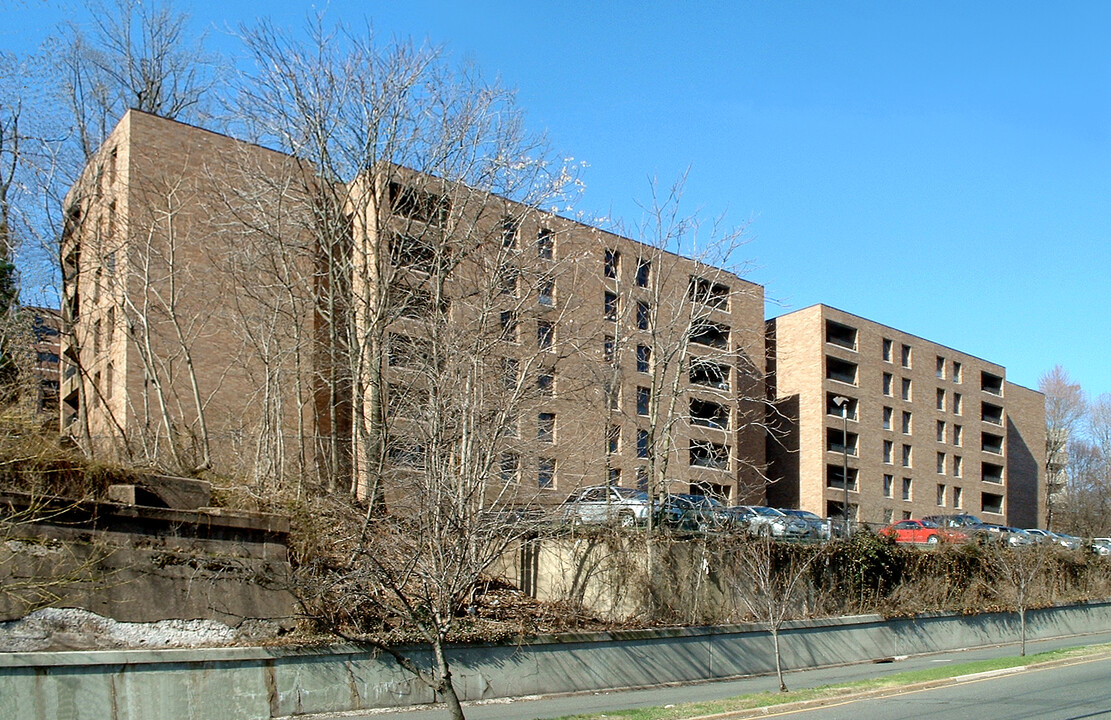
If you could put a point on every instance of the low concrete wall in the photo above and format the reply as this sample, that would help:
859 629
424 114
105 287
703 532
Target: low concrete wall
268 683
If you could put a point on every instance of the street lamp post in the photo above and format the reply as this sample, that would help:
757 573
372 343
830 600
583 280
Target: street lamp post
843 403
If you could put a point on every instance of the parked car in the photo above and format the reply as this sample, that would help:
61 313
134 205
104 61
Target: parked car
921 532
968 524
1069 542
693 512
770 522
819 528
1101 546
739 517
606 504
1040 536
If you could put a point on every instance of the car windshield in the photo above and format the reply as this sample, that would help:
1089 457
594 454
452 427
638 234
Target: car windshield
928 524
630 494
767 511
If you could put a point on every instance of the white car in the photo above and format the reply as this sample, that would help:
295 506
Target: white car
607 504
770 522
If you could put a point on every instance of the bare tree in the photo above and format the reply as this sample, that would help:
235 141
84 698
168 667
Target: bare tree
1021 570
769 580
1065 407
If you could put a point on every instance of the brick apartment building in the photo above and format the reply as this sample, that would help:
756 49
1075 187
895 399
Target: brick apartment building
930 430
206 316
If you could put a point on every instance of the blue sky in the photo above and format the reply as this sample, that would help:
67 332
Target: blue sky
941 167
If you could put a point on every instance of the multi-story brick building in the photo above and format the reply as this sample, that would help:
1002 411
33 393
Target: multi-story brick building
922 428
212 326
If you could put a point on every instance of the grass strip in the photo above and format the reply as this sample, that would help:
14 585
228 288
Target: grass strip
769 699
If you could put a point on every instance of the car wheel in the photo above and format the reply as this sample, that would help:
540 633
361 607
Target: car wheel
626 519
932 540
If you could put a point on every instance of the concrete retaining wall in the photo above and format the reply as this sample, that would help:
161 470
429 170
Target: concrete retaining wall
268 683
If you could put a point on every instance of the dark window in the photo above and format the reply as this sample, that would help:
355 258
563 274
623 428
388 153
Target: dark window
613 439
507 280
840 370
991 383
510 227
710 374
509 325
991 413
835 441
609 307
545 472
545 243
644 272
642 444
510 370
510 466
545 334
846 408
405 351
708 292
992 473
835 477
888 345
711 334
545 382
407 453
546 292
418 204
644 358
840 335
644 315
613 259
709 414
992 443
644 400
709 455
545 427
609 347
991 503
412 253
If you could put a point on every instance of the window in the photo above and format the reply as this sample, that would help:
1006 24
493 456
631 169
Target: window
545 334
545 243
940 368
405 351
840 335
888 345
888 515
941 463
545 427
410 253
835 477
613 439
546 292
956 371
545 472
613 396
906 389
888 485
958 497
613 476
907 456
840 370
847 407
991 413
958 432
644 272
108 372
887 380
709 293
709 455
510 465
958 466
644 400
642 444
509 325
709 374
709 414
642 478
956 403
609 346
644 358
545 383
992 443
96 336
888 414
613 258
991 383
507 280
991 502
941 431
907 487
906 423
510 228
941 495
710 334
904 356
510 372
644 315
418 204
609 307
407 453
888 452
992 473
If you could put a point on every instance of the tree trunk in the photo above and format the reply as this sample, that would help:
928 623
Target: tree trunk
778 660
445 688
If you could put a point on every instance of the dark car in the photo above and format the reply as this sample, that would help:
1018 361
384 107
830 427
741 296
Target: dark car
693 512
820 528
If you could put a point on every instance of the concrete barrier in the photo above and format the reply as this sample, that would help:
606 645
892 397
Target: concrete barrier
267 683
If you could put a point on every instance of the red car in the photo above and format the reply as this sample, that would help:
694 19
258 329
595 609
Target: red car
921 532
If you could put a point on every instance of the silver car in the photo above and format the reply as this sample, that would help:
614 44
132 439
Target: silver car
770 522
607 504
819 528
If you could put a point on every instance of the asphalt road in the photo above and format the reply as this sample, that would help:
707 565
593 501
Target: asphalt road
1070 692
557 706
